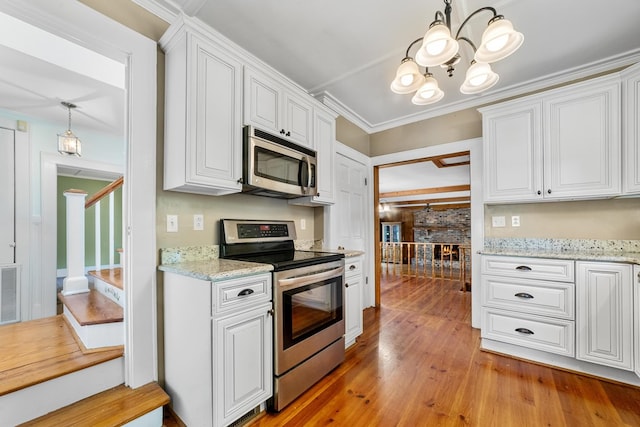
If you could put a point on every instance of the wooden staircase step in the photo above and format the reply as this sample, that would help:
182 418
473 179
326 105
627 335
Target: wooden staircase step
40 350
112 276
92 308
113 407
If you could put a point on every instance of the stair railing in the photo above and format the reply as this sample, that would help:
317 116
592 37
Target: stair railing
77 202
107 190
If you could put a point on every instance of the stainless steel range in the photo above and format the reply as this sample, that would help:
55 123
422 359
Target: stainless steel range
307 299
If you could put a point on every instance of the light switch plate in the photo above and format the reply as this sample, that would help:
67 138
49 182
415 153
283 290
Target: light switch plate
515 221
498 221
172 223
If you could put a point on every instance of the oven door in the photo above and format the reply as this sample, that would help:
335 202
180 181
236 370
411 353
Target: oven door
309 312
281 169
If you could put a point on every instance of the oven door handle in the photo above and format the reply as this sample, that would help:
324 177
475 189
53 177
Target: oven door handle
295 282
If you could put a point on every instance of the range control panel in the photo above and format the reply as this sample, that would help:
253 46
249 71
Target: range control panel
262 230
250 231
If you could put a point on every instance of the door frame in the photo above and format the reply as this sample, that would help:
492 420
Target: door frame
85 26
474 146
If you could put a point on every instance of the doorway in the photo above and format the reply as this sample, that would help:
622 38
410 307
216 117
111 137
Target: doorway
474 198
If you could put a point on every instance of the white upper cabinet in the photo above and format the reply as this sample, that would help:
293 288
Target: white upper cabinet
203 114
582 142
559 145
513 152
631 129
272 107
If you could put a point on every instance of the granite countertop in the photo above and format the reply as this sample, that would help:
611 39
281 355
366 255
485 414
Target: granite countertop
348 253
215 269
627 251
628 257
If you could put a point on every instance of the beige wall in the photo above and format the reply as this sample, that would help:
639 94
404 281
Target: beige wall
617 219
351 135
458 126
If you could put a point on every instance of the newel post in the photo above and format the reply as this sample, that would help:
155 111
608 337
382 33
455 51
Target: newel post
76 282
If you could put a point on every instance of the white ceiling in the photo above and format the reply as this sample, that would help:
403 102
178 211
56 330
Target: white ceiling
349 50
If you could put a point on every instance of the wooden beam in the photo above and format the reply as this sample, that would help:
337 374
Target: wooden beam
436 207
433 190
425 159
429 201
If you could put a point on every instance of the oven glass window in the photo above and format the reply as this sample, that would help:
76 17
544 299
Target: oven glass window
281 168
311 308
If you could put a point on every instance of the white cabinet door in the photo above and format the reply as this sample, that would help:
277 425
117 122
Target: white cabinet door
203 110
353 300
262 101
582 141
298 119
513 153
243 356
631 147
271 107
325 136
604 314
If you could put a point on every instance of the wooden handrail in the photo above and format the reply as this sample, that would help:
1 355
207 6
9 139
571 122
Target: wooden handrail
104 192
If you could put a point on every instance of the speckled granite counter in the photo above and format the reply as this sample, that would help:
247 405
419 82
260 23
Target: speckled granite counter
627 251
348 253
202 262
216 269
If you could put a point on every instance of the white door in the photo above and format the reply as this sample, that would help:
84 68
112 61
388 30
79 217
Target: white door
7 197
348 214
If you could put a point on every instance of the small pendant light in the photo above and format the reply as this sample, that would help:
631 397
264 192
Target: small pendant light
68 143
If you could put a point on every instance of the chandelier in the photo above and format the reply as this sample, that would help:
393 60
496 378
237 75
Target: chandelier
499 40
68 143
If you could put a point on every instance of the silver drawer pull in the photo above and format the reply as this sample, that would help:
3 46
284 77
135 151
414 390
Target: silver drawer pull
524 331
523 268
523 295
245 292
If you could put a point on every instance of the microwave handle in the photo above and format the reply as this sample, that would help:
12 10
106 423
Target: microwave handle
307 188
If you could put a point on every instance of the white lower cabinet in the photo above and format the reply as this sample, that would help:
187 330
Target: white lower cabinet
218 340
529 302
577 315
604 310
353 300
636 317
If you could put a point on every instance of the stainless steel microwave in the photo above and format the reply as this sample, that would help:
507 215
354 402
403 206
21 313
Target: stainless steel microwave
276 167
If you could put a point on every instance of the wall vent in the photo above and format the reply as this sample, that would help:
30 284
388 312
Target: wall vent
9 293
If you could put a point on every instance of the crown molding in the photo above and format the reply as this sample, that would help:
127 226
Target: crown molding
163 9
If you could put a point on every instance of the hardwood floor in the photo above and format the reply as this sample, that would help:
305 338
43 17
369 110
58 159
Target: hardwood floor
418 363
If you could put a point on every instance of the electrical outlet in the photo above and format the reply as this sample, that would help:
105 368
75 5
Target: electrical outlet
172 223
198 222
303 224
515 221
498 221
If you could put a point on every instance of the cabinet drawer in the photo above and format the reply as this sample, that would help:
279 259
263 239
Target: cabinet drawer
529 296
353 267
531 268
241 292
537 332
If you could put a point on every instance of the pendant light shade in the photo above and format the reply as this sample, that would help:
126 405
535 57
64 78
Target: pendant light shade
429 92
499 40
437 47
68 143
408 77
479 77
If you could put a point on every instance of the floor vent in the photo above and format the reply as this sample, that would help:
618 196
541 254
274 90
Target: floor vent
9 293
246 417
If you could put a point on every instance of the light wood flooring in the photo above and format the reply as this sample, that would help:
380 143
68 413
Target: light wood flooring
418 363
